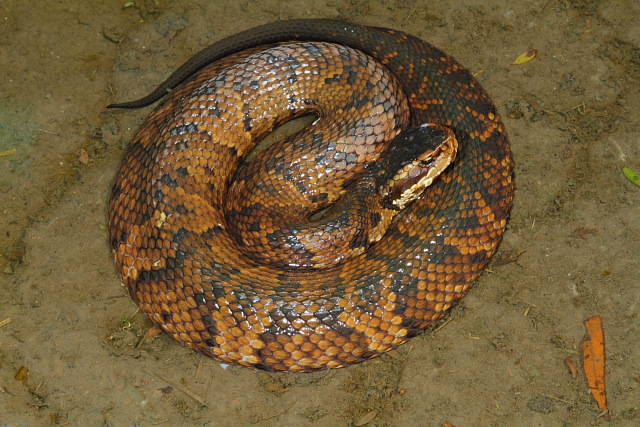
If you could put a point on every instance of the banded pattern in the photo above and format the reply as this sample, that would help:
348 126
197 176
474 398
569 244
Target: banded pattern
183 256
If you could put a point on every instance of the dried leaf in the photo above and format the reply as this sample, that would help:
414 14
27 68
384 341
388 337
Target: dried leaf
152 332
366 419
526 56
582 231
530 99
593 361
83 157
22 374
571 367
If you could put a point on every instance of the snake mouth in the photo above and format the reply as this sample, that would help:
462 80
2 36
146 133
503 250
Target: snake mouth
415 159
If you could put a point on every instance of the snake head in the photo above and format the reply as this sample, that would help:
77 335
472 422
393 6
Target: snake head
413 161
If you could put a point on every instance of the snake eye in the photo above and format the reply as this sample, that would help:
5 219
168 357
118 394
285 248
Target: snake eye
420 155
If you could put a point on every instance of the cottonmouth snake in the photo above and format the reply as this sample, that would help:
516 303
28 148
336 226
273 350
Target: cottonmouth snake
200 281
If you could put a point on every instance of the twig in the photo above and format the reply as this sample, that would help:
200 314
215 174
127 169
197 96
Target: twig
409 15
185 390
442 325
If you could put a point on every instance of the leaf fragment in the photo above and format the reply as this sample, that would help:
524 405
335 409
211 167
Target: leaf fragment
525 56
593 361
632 176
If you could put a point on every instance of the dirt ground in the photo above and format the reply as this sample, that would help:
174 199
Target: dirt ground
71 351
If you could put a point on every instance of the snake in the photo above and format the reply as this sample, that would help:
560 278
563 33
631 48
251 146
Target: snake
296 255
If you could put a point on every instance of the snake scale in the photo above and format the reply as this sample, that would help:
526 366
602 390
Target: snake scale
194 224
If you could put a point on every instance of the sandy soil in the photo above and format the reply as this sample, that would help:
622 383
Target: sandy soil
572 249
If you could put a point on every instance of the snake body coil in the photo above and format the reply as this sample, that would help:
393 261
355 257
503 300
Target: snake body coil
197 230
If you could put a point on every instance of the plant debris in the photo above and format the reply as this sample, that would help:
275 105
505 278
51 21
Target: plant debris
593 362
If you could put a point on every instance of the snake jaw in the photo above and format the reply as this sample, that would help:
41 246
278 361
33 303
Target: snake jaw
428 151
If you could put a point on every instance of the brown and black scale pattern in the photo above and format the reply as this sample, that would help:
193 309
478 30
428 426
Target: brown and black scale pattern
186 270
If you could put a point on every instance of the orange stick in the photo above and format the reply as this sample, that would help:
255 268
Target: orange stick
593 362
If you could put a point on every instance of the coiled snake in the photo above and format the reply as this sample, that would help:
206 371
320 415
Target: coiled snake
195 227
